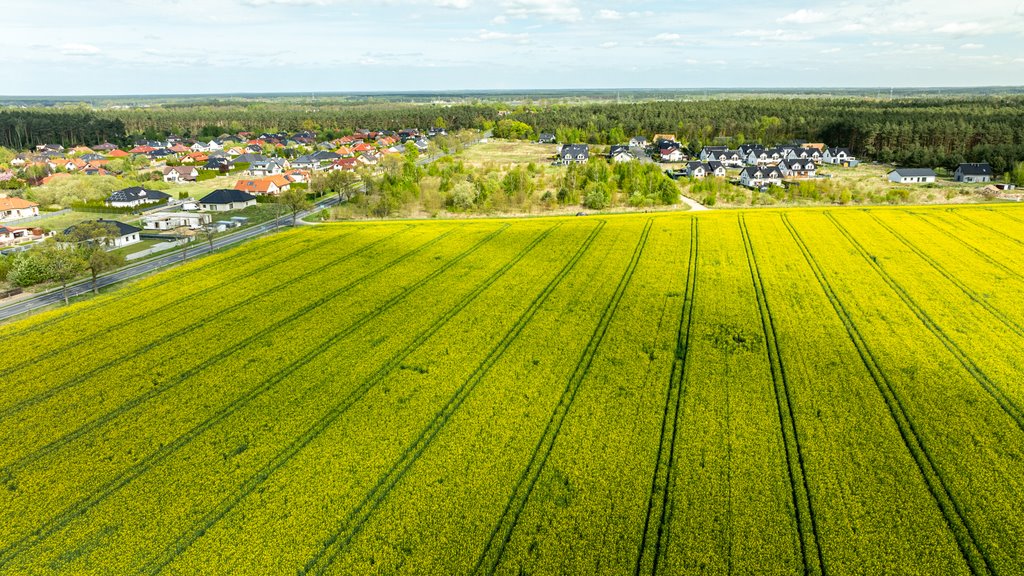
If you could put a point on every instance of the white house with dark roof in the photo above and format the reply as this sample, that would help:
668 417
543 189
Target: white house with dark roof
840 156
573 154
800 168
226 199
136 196
912 175
127 234
760 176
973 172
700 170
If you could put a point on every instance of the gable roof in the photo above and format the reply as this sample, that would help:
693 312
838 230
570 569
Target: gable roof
122 228
913 172
975 169
15 203
136 193
226 196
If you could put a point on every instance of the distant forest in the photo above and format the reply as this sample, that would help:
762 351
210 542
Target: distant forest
929 132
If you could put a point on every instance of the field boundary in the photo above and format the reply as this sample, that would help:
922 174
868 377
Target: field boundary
501 535
153 311
661 481
227 504
975 558
63 518
1005 402
806 522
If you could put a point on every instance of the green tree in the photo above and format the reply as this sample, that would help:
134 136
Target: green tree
62 261
294 200
92 239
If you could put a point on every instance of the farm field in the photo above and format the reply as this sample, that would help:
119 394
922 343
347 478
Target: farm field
804 391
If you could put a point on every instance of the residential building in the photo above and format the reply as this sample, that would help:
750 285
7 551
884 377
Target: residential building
546 138
10 235
840 156
136 196
973 172
573 154
259 186
226 199
801 168
127 234
180 174
760 176
17 208
912 175
172 220
700 170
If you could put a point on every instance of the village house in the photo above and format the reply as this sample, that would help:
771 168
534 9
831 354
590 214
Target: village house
259 186
172 220
701 170
801 168
638 141
839 156
17 208
760 176
671 152
728 158
226 199
546 138
573 154
127 234
912 175
620 153
136 196
10 235
266 167
180 174
973 172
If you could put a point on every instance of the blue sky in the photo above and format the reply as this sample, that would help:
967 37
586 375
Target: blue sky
208 46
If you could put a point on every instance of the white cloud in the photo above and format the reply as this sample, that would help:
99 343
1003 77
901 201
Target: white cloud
667 37
79 50
609 15
564 11
260 3
962 28
853 27
802 16
485 35
455 4
831 50
775 35
971 46
609 45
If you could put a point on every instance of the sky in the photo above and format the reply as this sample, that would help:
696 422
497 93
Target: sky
107 47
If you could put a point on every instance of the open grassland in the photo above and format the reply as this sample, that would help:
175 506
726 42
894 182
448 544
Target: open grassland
760 392
503 152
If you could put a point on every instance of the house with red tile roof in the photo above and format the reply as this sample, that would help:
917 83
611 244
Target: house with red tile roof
16 208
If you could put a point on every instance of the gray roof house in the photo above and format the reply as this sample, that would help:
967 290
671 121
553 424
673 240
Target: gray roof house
912 175
136 196
973 172
226 199
573 154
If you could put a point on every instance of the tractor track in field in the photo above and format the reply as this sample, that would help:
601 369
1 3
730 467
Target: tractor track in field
651 542
89 374
250 248
59 521
995 391
1016 241
501 535
356 519
974 296
150 313
972 249
807 525
184 541
972 553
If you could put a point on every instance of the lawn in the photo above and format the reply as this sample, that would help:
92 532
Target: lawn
508 152
801 391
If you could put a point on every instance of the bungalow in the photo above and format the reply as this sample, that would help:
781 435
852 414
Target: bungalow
912 175
17 234
17 208
226 199
573 154
760 176
172 220
546 138
127 234
973 172
180 174
136 196
261 186
836 155
798 168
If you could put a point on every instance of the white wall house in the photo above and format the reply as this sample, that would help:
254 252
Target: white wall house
172 220
760 176
225 200
912 175
17 208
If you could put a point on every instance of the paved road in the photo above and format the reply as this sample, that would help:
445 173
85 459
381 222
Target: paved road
148 266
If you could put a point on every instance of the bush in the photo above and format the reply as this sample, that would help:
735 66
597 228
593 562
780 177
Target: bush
26 270
596 199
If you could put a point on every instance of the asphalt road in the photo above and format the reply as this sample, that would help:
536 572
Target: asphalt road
148 266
